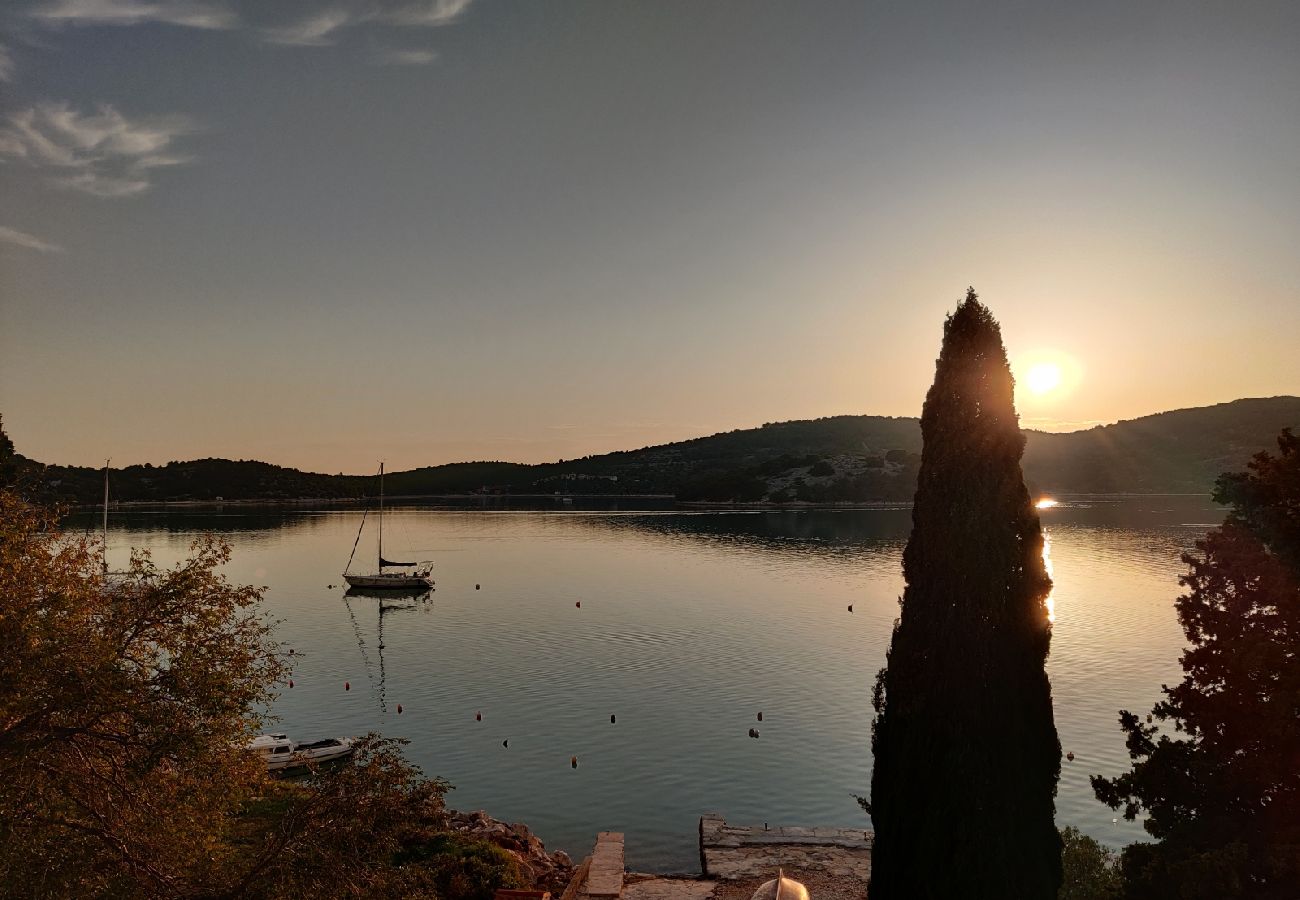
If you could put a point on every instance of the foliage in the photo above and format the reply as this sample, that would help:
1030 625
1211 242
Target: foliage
1089 870
464 867
119 705
124 703
1224 801
966 752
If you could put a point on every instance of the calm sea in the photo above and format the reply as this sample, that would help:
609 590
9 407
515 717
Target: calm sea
690 624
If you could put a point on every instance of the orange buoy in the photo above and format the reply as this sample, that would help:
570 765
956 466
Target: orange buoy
347 685
399 709
573 761
478 717
760 715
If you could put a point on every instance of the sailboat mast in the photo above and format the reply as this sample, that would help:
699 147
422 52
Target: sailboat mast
106 462
381 518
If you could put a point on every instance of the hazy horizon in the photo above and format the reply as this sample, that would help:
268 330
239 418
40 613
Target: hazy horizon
321 234
120 464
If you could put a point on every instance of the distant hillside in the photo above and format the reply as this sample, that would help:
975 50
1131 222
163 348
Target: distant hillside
837 459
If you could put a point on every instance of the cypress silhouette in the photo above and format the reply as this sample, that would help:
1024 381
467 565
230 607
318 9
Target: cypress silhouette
966 753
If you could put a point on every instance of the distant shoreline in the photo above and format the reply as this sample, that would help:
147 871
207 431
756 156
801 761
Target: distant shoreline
506 499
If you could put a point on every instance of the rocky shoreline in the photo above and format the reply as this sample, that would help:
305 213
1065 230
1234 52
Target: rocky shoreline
545 871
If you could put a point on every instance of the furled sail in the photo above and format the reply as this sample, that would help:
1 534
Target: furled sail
383 563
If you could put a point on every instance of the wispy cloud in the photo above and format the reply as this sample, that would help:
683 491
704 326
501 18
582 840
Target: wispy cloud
318 30
26 241
103 153
428 13
6 64
186 13
324 28
392 57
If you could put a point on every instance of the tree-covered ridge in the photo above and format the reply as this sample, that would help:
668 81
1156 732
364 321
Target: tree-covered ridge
835 459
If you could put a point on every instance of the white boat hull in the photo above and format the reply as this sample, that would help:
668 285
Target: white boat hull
390 582
281 754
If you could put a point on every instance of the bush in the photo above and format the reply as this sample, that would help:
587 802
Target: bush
1091 872
464 868
821 469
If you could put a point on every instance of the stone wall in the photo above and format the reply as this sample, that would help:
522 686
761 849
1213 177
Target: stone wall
743 851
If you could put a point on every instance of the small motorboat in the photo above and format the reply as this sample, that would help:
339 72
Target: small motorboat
280 753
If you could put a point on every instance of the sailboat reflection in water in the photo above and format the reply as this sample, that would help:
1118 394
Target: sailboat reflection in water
418 575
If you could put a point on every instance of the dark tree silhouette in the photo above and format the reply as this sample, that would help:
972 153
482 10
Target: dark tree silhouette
1225 799
966 753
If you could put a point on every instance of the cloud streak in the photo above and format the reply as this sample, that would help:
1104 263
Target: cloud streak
6 64
428 14
103 153
184 13
323 29
318 30
26 241
394 57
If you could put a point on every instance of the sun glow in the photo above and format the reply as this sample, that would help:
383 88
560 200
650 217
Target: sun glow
1045 503
1043 378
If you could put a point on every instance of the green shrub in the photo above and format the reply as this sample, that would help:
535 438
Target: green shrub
1091 872
463 867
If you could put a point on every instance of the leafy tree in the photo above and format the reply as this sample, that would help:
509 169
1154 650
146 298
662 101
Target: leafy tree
119 706
1224 801
966 753
123 708
1089 870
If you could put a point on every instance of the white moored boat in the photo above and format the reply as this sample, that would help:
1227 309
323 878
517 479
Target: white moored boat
418 575
278 752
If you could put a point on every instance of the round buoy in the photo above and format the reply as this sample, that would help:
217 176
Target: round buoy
347 685
476 587
850 607
760 715
611 718
478 717
573 761
753 732
505 743
578 604
399 709
290 682
1070 756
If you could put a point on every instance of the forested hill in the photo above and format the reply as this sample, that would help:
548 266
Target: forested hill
836 459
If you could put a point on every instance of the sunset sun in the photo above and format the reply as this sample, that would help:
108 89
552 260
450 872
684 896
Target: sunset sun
1043 378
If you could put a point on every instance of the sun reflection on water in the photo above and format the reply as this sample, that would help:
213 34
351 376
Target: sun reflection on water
1047 563
1045 503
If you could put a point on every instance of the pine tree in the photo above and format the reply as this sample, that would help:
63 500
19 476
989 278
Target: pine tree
1224 800
966 752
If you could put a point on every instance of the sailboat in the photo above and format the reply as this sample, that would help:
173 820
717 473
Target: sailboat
418 575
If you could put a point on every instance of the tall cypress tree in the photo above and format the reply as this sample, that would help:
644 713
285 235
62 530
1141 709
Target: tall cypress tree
966 752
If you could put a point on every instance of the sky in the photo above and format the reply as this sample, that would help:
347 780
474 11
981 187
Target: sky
324 233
